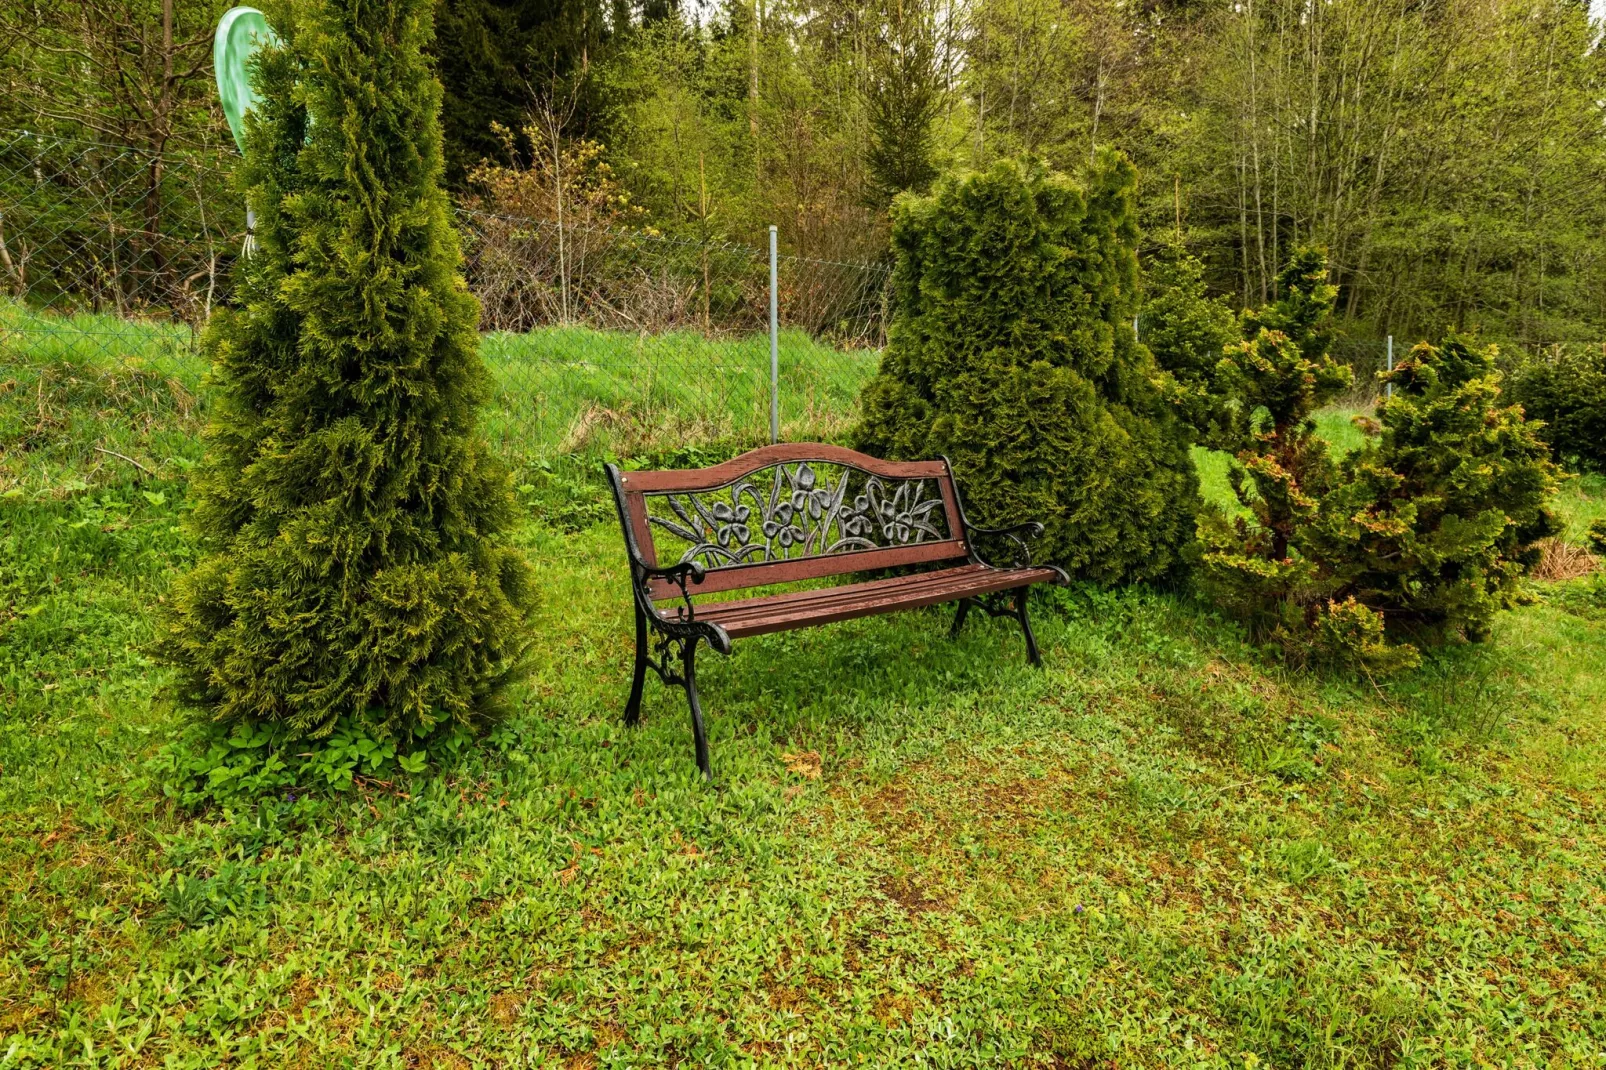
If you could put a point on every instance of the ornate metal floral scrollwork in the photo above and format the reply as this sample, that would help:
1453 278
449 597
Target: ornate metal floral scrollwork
667 656
805 511
1002 604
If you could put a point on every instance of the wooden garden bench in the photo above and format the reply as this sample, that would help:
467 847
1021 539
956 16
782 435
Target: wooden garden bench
801 511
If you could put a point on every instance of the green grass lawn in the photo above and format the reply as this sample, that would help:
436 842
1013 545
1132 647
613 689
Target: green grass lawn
556 392
1163 850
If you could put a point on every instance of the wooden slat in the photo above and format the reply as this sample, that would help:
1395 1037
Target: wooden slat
693 479
740 609
774 613
737 577
636 507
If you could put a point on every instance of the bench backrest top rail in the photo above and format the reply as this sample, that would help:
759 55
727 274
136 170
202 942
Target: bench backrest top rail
791 511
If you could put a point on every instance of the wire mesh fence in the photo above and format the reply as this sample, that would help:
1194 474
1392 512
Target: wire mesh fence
112 258
598 339
626 336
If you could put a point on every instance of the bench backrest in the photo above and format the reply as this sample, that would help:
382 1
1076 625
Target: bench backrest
792 511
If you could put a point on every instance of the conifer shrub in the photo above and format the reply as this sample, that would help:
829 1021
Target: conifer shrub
1436 517
354 569
1565 388
1187 330
1011 351
1419 536
1274 380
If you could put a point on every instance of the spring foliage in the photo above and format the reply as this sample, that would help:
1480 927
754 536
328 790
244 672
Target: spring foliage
1273 381
351 518
1422 534
1435 518
1012 352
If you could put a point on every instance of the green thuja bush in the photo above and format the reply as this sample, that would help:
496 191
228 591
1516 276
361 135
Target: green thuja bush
354 573
1276 378
1565 388
1434 520
1187 330
1011 351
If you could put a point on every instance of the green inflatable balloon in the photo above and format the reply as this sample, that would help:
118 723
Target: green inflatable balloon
241 32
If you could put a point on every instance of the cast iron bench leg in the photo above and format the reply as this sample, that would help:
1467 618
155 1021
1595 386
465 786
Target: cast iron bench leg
633 707
959 618
1026 626
689 672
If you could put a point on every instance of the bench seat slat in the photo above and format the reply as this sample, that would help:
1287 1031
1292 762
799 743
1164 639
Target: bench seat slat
773 613
762 574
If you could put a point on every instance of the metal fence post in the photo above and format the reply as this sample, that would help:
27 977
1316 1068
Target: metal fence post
775 349
1388 388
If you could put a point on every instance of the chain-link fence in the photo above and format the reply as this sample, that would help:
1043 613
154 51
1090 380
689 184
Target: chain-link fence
112 258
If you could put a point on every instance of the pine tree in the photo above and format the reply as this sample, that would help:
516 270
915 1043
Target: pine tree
493 56
1566 389
1011 351
351 518
1421 535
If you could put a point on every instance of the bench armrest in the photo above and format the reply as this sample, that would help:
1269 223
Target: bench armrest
1029 527
684 620
676 573
1016 534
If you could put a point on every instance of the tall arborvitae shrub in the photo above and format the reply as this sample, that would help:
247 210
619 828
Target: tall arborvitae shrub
1188 331
1434 520
1011 351
351 518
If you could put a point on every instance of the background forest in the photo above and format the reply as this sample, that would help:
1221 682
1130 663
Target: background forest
1448 153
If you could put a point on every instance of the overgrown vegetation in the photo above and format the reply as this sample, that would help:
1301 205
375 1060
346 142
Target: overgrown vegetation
1258 127
1011 353
351 514
558 394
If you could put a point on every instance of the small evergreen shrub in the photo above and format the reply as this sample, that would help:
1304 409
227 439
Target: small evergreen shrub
1188 331
1435 519
354 570
1011 351
1274 380
1565 388
1421 535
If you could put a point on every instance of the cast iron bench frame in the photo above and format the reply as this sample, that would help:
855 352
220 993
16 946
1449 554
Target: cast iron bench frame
803 529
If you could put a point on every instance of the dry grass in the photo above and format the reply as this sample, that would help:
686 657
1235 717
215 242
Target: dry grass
1561 560
628 430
